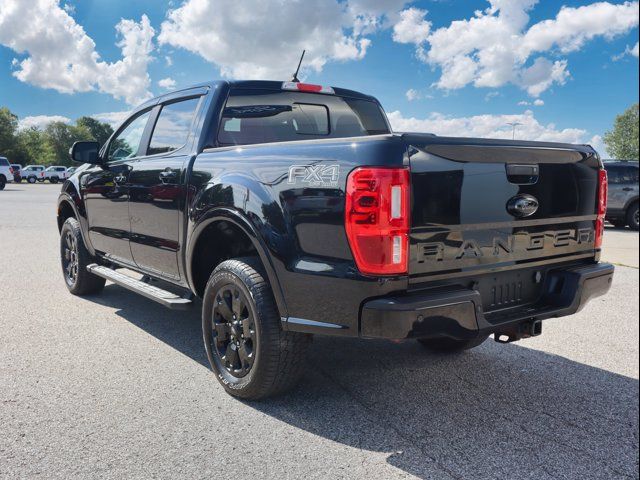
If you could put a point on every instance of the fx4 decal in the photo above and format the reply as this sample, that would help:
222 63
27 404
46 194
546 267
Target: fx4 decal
315 175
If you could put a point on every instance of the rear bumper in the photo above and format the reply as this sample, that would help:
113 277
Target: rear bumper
458 313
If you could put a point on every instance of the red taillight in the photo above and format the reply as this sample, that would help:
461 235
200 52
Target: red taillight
10 170
307 87
377 219
602 206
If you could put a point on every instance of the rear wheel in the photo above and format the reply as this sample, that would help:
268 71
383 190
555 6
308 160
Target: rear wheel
53 180
632 216
252 356
449 345
75 257
3 182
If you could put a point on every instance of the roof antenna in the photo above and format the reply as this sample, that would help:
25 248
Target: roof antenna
295 75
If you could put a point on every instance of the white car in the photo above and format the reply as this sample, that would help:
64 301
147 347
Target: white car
32 173
6 172
55 174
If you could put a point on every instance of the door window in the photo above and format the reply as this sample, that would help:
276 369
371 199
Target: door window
173 126
126 144
629 175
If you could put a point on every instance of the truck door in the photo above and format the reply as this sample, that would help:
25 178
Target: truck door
106 192
157 191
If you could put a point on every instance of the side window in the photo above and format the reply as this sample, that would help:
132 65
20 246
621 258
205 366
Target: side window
613 174
629 175
126 144
173 126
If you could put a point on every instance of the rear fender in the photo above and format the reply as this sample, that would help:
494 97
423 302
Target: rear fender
230 215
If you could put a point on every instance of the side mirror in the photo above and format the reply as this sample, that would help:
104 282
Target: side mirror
85 152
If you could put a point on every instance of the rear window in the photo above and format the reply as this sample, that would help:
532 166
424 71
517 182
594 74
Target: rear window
262 116
4 162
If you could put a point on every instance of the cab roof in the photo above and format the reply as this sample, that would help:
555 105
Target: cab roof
248 84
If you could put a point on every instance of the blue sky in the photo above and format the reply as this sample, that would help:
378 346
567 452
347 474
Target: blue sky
563 70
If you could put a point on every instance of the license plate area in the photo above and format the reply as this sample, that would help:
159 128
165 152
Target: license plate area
510 289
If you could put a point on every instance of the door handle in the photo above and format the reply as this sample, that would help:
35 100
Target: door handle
168 175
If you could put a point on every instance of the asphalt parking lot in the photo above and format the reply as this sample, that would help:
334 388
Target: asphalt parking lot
115 386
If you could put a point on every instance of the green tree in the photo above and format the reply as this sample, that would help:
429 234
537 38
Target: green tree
622 141
49 146
33 147
8 128
99 131
60 137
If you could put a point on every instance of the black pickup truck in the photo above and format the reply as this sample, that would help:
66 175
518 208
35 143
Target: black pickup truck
292 209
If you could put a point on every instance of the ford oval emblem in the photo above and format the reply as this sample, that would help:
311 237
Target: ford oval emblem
522 205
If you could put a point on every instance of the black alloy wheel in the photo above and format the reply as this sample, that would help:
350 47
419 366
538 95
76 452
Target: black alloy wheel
74 259
70 257
250 353
233 334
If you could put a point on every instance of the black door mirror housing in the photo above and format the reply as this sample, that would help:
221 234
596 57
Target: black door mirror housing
85 152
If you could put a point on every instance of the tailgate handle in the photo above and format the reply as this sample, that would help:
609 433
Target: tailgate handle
522 174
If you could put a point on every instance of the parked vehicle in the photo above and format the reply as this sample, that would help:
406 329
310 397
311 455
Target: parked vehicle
6 172
293 210
55 174
623 193
32 173
16 172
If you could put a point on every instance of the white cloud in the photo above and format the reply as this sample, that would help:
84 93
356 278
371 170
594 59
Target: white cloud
491 95
55 52
236 37
633 51
112 118
41 121
496 47
412 94
536 103
412 27
168 83
487 126
598 144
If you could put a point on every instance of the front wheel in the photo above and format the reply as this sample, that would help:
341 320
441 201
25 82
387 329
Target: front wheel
252 357
450 345
75 258
632 216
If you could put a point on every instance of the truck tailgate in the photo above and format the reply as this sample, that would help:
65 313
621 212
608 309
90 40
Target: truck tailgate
474 205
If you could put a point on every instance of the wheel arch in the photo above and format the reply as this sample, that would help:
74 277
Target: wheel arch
70 205
223 219
630 202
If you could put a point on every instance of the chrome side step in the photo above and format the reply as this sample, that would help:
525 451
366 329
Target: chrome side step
168 299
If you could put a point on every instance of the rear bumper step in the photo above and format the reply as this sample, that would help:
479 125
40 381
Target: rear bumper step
458 313
168 299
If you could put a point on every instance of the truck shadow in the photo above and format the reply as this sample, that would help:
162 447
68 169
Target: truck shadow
499 411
